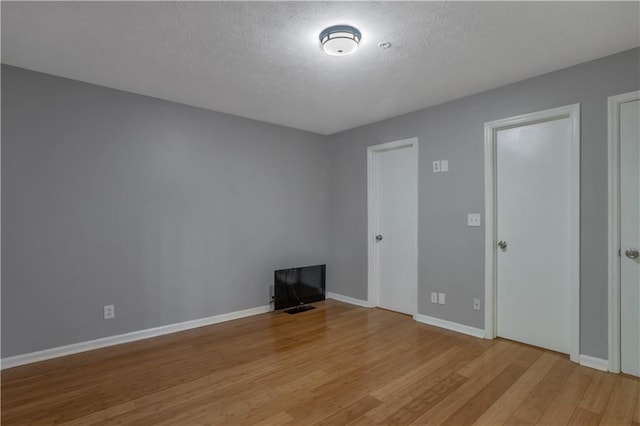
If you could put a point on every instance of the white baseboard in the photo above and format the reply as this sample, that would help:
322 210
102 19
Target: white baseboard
14 361
450 325
347 299
593 362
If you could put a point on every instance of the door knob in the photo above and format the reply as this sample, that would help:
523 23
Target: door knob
378 237
502 245
632 253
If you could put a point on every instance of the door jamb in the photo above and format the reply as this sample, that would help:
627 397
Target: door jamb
614 225
372 250
490 130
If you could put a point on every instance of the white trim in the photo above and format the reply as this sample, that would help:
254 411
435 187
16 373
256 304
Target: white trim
372 278
593 362
450 325
489 238
347 299
75 348
490 130
614 103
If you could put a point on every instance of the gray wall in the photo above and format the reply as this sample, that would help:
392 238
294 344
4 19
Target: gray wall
175 213
451 255
171 213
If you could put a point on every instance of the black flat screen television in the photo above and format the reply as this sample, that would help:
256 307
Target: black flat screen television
299 286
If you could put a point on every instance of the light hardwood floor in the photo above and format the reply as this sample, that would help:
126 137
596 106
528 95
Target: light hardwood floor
338 364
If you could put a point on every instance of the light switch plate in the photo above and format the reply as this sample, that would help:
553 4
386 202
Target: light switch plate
473 219
444 165
436 166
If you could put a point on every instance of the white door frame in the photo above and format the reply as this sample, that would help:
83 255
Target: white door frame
614 225
490 131
372 191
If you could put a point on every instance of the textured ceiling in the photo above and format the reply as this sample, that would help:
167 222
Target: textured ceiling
263 60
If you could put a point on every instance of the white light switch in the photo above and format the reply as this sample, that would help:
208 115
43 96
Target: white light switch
436 166
444 165
473 219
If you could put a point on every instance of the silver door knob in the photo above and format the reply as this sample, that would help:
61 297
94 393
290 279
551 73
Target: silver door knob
502 245
378 238
632 253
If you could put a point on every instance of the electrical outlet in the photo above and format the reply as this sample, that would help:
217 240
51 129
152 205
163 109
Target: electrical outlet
109 311
476 304
444 165
441 298
436 166
434 297
473 219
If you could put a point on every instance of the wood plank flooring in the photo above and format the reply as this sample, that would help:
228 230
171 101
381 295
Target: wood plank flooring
335 365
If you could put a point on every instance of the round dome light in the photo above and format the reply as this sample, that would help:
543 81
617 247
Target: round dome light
340 40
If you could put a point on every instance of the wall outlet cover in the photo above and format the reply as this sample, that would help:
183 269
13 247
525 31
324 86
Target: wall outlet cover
434 297
109 311
473 219
441 298
436 166
476 304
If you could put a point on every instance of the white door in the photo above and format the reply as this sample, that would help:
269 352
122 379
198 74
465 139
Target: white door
533 229
630 237
394 234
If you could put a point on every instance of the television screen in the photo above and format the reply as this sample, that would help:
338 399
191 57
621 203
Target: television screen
299 286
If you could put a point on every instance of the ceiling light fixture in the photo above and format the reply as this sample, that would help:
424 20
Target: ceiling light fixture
340 40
